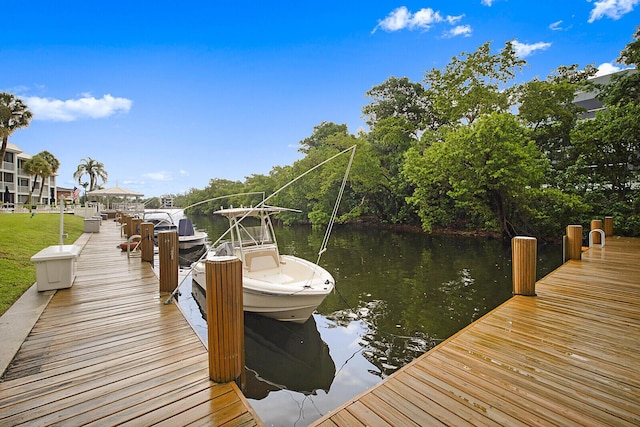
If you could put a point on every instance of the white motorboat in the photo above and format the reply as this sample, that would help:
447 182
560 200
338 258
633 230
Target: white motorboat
282 287
188 236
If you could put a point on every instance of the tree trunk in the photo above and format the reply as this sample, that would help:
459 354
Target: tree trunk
3 150
41 188
33 187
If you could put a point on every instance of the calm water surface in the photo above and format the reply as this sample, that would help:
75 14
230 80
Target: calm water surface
397 295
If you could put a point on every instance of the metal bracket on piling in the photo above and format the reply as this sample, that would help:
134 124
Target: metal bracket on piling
129 241
602 236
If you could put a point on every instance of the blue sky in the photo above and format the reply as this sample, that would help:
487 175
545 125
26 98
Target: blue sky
169 95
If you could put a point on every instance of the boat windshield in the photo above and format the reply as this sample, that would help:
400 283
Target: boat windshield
256 235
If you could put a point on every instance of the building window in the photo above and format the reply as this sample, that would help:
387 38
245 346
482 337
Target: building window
7 177
8 157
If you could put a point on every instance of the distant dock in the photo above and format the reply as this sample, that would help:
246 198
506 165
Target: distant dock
568 356
107 351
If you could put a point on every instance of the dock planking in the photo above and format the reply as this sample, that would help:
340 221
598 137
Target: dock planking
568 356
107 351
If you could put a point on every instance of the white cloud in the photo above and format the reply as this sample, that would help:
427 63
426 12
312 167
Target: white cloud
556 26
73 109
401 18
607 68
158 176
424 18
487 2
613 9
460 30
454 19
523 49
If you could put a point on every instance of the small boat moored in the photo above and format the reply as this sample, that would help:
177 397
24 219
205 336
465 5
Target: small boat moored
282 287
188 236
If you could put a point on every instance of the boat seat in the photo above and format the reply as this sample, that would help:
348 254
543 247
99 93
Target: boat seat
261 259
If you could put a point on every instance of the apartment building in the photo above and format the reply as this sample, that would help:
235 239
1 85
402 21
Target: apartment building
15 182
588 99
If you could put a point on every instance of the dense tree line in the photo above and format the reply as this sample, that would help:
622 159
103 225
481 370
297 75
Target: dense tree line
469 149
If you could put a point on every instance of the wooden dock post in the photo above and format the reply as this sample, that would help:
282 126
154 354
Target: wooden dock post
596 224
124 223
147 245
168 255
135 226
608 226
524 257
225 319
574 242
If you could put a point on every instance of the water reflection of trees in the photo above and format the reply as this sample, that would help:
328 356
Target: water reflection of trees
386 350
417 310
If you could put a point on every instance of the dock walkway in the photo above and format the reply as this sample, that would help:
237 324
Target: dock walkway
107 351
568 356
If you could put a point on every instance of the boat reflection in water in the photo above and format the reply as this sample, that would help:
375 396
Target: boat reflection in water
285 355
281 355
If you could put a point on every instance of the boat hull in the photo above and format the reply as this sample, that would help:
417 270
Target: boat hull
188 242
289 293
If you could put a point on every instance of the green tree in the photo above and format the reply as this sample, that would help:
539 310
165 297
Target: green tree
55 165
14 114
320 135
396 98
625 87
389 142
315 194
485 170
547 108
217 188
94 169
471 85
37 166
610 147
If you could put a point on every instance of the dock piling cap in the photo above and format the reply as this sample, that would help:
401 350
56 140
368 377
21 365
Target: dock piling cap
223 258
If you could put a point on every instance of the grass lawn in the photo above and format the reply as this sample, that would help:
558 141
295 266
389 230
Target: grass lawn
21 237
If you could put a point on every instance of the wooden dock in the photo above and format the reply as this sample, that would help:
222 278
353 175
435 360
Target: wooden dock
569 356
107 351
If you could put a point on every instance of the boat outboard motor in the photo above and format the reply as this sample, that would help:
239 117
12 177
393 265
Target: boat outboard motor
185 227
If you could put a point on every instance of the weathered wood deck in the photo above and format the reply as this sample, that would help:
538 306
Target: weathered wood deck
108 351
568 356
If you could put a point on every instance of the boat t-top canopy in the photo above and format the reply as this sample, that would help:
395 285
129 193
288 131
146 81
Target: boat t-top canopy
253 211
243 236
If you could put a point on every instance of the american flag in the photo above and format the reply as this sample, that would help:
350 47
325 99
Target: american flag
76 193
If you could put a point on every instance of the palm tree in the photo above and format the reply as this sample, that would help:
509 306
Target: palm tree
55 165
94 169
14 114
36 166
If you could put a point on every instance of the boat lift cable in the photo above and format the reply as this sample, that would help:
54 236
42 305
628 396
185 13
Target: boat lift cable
334 214
304 174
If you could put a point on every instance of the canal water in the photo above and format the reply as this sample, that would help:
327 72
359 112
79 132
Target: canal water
397 295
